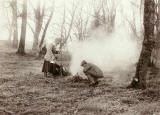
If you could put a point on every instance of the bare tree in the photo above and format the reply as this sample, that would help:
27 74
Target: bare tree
9 28
96 16
21 48
39 21
46 27
80 26
108 15
133 27
10 35
14 23
105 16
139 81
63 23
156 51
66 28
157 13
68 33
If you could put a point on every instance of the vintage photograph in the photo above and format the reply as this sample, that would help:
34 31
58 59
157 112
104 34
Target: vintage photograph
79 57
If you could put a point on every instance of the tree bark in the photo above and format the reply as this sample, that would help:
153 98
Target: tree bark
21 49
158 18
15 26
139 81
156 50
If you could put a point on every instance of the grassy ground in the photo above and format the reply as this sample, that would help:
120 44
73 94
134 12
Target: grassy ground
25 91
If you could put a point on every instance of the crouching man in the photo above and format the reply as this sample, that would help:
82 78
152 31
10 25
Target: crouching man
92 72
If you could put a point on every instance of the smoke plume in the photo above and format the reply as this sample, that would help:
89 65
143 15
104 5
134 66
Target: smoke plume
115 52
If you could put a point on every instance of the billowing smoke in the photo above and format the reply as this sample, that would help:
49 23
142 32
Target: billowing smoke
115 52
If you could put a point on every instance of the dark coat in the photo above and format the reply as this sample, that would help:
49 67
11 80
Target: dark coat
92 70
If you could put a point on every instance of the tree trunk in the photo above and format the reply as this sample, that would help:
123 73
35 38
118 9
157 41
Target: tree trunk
45 29
21 49
139 81
10 36
155 53
15 26
39 21
158 19
10 30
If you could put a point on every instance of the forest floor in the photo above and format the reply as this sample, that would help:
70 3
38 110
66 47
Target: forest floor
25 91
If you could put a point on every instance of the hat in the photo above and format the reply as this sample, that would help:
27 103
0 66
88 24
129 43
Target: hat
83 62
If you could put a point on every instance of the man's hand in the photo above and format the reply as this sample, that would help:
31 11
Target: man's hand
85 71
86 68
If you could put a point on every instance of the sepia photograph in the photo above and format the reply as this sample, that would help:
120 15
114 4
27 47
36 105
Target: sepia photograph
79 57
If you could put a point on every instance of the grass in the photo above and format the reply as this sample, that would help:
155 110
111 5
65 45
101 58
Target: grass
25 91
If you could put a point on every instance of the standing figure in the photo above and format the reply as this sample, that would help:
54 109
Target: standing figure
48 58
92 72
